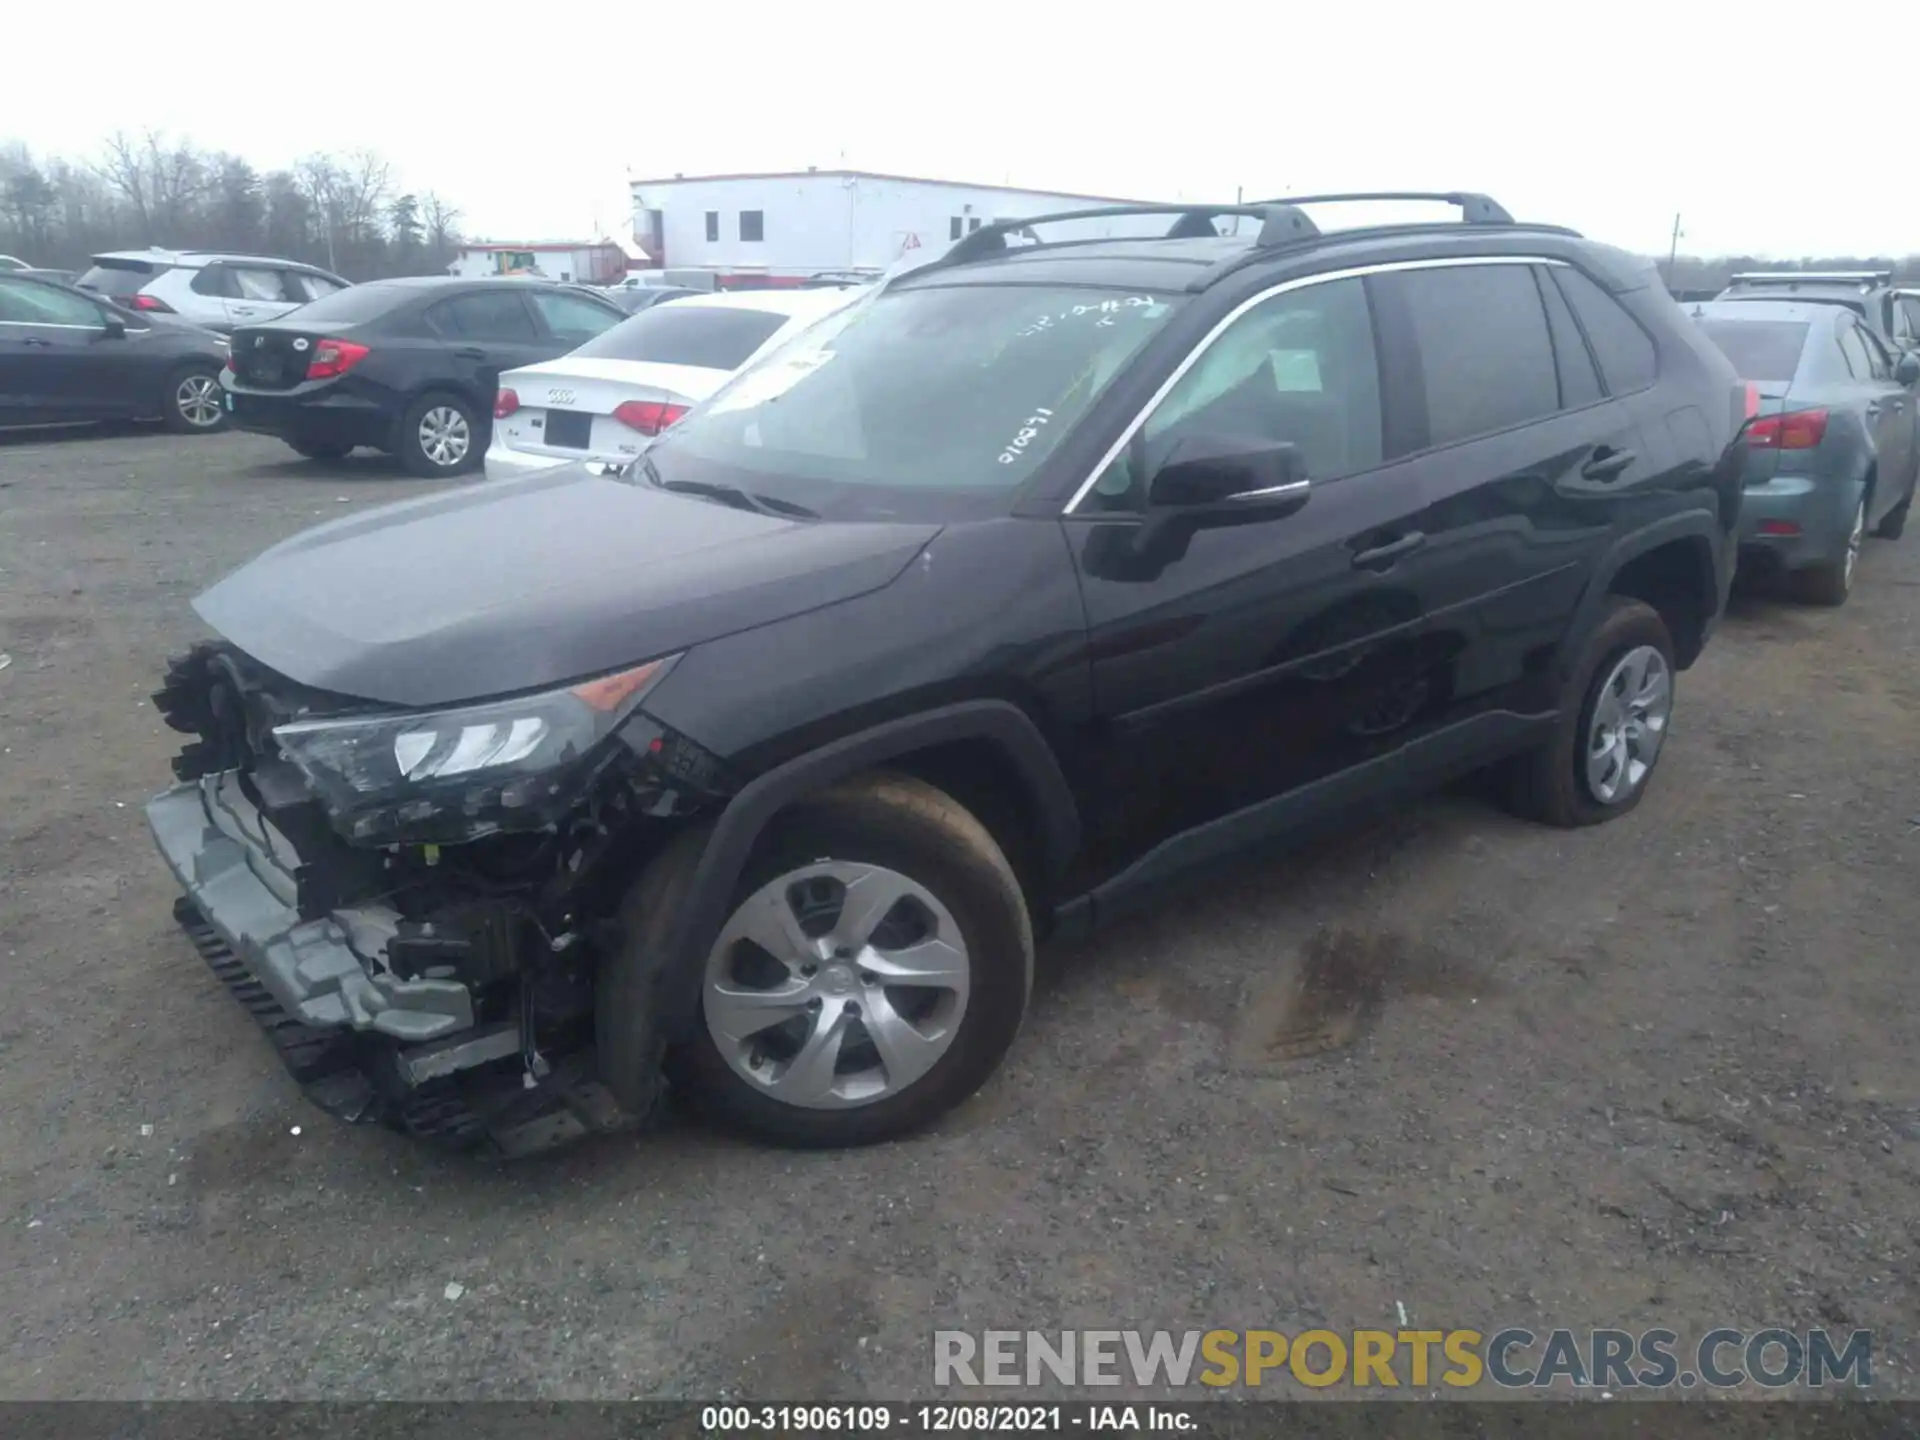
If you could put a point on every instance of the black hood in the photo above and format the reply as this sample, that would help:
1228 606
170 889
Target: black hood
526 583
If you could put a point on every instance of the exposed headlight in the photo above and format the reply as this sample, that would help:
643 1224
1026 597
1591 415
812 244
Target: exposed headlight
462 773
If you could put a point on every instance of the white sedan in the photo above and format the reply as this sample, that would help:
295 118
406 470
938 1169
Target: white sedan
606 399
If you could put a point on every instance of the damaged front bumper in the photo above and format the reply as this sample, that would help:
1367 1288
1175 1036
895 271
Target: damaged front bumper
366 1043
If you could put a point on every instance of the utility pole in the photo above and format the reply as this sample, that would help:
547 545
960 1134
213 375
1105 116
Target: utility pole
1238 192
1673 250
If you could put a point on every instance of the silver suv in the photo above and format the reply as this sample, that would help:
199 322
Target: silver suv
210 289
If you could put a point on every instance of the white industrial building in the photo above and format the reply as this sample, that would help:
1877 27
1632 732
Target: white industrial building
784 226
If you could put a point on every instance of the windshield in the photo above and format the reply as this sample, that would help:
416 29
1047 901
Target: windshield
1761 350
714 337
924 402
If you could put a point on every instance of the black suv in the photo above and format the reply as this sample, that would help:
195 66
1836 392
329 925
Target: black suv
407 366
1044 573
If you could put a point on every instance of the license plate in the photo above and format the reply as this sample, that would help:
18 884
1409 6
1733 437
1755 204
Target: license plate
568 429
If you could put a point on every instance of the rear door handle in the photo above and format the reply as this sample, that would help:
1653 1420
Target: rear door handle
471 352
38 342
1381 557
1607 463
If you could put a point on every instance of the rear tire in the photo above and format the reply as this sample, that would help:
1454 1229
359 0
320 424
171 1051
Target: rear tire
896 1054
440 435
1831 582
194 403
1564 780
319 449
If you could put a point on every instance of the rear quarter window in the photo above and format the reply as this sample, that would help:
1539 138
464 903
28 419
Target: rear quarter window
1761 350
1624 350
713 337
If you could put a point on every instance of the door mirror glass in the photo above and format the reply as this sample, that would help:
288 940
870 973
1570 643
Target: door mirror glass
1907 369
1229 474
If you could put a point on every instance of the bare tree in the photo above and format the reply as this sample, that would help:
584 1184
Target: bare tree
442 222
123 165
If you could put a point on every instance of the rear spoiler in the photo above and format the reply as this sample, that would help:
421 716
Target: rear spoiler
1862 278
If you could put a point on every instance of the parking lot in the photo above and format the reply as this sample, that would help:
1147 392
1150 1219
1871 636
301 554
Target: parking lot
1655 1073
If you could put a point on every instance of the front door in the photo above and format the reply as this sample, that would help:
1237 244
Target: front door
1253 660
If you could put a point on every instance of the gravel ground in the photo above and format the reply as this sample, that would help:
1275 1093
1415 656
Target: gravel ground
1657 1073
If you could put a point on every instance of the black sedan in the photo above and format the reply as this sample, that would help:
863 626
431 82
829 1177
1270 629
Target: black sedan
406 366
68 356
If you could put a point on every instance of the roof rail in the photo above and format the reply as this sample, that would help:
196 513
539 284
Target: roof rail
1279 224
1789 277
1475 208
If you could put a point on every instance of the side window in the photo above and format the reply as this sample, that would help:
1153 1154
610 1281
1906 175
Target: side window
572 318
1908 309
43 305
1299 367
309 287
753 225
256 284
953 227
1486 359
713 225
1854 350
1579 382
1625 351
215 280
484 317
1879 363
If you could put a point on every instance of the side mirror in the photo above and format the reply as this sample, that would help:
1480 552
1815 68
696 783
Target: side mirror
115 327
1222 477
1906 370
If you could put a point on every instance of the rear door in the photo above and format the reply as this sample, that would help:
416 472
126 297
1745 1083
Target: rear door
1524 463
487 331
1889 413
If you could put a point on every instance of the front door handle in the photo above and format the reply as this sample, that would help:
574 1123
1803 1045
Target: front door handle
38 342
1873 408
471 352
1607 463
1382 557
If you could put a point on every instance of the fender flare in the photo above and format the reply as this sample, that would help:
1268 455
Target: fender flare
702 907
1715 552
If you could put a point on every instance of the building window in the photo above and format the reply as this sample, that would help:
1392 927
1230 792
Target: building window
953 228
973 224
753 225
713 225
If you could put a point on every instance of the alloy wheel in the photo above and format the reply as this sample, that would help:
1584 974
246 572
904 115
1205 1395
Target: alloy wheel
197 397
1629 724
445 436
836 984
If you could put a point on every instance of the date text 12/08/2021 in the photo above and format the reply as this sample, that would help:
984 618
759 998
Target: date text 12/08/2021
940 1418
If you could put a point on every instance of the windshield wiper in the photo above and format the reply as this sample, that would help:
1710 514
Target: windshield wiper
727 494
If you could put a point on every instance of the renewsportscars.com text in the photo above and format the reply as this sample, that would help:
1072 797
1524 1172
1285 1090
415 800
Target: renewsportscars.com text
1510 1358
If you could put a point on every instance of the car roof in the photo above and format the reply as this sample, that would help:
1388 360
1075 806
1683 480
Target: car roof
193 259
1757 310
812 301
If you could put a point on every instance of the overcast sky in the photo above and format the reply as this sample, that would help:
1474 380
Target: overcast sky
531 117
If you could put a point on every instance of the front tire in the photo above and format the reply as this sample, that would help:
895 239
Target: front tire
194 404
1616 707
874 968
440 435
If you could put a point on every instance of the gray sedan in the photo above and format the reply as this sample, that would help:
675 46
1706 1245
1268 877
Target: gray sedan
1832 451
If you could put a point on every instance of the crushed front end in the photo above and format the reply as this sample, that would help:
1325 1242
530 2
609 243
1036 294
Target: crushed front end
413 903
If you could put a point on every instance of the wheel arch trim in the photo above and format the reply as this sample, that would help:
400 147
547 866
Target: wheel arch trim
1698 531
702 909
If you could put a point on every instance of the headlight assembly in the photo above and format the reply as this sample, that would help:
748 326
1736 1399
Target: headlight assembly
451 775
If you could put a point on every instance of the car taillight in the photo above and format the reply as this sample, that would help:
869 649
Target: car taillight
504 404
1795 430
149 303
649 417
334 357
1752 401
